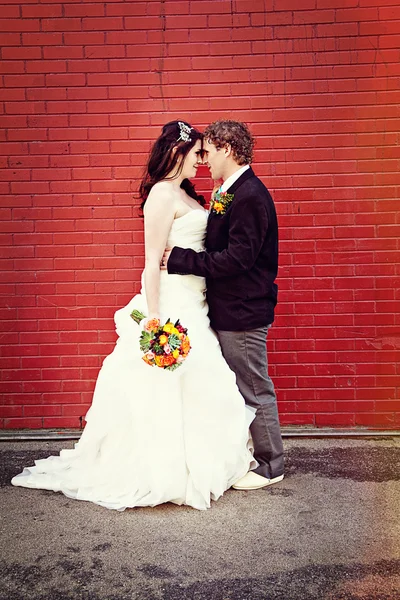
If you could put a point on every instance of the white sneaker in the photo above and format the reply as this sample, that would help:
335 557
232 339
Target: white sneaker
253 481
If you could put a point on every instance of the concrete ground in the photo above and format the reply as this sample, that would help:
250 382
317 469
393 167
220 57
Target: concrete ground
329 531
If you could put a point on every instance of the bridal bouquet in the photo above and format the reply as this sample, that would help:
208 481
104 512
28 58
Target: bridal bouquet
165 346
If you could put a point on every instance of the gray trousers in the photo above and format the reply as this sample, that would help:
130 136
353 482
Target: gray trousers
246 354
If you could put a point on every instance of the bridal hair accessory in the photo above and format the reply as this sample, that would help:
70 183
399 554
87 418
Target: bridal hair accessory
220 202
184 131
165 346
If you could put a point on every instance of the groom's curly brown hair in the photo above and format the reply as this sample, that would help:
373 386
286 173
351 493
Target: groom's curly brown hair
236 134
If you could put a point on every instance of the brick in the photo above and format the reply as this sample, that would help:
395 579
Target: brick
209 7
119 9
27 134
315 16
69 186
64 24
108 133
62 422
107 79
46 66
70 52
23 423
46 94
85 66
106 51
72 38
68 134
41 411
84 10
149 23
375 420
10 39
28 53
41 39
105 24
19 25
15 108
297 419
69 161
335 420
40 10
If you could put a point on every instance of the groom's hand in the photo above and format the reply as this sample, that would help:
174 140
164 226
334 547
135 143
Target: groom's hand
164 260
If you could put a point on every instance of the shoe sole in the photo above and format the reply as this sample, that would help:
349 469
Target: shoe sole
259 487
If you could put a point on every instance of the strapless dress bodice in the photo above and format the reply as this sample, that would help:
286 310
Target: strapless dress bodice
188 231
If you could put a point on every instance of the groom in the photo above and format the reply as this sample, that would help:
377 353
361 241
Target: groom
240 264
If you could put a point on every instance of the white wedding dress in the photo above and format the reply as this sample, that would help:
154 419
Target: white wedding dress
152 435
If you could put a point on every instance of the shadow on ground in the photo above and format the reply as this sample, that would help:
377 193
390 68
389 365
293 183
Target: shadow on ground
309 583
378 464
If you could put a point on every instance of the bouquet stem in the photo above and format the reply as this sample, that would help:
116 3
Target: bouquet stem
137 316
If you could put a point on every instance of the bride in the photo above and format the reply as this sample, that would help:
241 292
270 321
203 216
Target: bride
152 435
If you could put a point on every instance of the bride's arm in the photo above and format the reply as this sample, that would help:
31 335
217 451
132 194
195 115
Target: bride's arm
159 213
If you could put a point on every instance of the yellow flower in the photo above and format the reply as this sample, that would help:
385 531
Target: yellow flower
218 207
175 353
163 340
170 328
159 361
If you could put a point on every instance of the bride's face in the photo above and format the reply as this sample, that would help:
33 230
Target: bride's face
192 161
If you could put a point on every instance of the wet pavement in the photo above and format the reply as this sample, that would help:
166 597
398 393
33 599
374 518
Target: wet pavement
329 531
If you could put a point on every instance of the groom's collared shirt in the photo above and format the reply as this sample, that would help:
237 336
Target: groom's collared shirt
231 180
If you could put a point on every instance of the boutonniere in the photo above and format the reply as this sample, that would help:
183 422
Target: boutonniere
220 202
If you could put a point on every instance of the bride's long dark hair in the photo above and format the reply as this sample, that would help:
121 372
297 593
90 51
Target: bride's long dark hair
162 160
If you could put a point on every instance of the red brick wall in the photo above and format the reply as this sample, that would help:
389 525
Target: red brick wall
86 87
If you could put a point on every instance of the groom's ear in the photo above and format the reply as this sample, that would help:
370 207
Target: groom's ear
227 150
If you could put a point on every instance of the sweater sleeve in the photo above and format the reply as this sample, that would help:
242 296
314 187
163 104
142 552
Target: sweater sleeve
247 231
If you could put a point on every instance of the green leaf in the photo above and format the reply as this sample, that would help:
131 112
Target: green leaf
145 340
174 341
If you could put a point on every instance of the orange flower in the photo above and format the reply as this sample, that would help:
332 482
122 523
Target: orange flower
218 207
168 360
147 360
160 361
186 345
152 325
163 340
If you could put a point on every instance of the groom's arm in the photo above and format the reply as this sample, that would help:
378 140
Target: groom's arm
248 227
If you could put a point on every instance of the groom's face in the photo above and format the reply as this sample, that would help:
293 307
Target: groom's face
216 159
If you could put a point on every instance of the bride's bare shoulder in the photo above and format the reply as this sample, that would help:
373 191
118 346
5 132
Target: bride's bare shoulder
161 199
162 188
